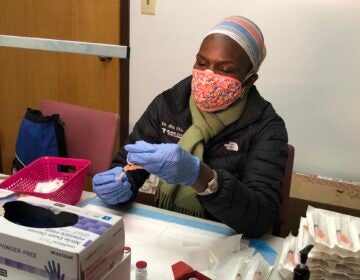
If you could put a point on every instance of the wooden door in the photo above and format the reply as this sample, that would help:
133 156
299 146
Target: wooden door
26 76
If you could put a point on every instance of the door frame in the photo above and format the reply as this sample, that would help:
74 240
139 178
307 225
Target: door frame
124 71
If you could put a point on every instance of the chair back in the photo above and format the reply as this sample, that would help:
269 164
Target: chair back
285 192
90 133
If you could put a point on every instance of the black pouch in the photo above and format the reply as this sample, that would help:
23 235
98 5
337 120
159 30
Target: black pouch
38 136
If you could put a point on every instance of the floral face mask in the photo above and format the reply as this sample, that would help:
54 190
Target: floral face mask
213 92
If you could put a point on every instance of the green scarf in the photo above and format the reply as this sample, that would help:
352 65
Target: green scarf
181 198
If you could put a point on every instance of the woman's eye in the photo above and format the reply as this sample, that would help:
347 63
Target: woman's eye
226 70
200 62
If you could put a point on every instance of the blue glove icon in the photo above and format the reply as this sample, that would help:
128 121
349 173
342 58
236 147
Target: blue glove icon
168 161
53 271
112 186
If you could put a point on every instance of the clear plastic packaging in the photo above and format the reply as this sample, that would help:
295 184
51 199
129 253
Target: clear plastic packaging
334 230
258 269
289 257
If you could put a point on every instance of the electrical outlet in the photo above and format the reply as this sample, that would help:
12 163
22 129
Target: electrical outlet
148 7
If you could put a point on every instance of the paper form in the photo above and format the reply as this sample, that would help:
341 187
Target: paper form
163 240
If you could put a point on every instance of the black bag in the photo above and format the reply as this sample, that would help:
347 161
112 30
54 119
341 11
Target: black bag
38 136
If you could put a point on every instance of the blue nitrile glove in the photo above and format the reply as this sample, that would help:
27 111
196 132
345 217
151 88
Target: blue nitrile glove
112 186
54 271
168 161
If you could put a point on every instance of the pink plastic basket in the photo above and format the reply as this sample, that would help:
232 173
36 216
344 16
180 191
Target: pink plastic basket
72 171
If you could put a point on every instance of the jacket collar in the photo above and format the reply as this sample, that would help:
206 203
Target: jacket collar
254 108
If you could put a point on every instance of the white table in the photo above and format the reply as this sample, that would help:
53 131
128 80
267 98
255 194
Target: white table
145 224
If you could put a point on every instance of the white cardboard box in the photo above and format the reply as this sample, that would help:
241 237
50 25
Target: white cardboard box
86 250
121 270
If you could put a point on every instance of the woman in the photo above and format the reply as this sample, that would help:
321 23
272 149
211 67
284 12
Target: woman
218 147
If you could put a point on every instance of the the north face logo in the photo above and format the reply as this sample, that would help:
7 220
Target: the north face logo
231 146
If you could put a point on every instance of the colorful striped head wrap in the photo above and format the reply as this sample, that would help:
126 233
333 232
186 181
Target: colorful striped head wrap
247 34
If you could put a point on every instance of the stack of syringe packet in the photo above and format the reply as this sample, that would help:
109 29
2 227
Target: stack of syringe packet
336 251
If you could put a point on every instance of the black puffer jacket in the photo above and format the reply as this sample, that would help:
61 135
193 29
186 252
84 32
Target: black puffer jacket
249 157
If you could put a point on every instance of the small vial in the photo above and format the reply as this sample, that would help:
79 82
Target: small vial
127 249
141 270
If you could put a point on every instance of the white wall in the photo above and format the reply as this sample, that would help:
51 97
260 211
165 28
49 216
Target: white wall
310 75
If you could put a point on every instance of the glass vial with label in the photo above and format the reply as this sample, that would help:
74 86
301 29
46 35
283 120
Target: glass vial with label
141 270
